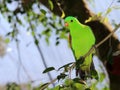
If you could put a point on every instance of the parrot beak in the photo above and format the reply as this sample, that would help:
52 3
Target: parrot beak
66 24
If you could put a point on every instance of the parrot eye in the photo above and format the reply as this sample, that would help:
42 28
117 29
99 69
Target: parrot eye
71 20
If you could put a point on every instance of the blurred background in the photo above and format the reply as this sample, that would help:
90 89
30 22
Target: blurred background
33 38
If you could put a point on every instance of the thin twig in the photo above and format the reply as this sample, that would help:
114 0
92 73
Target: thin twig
20 62
101 42
54 80
105 15
40 51
19 57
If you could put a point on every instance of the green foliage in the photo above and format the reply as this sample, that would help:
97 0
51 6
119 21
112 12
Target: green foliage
36 42
65 67
47 33
102 16
50 4
43 86
13 86
102 77
48 69
108 11
94 74
34 19
43 11
7 40
69 84
61 76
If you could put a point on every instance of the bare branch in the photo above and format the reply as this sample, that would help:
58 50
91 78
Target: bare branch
101 42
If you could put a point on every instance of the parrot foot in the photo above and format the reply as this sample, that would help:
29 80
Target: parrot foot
81 60
93 72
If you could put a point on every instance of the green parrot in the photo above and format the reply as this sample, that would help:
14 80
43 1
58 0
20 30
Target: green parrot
81 40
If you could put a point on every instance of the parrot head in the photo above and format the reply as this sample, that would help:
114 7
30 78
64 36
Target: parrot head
71 21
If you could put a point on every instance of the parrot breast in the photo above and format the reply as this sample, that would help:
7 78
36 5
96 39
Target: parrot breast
82 41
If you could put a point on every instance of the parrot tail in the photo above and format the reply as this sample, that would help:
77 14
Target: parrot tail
92 67
80 73
91 74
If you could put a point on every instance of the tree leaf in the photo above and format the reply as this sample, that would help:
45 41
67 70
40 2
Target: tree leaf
45 32
77 80
94 74
61 76
33 33
63 14
42 87
87 89
63 35
7 40
36 42
99 14
47 40
9 18
64 66
51 4
105 19
102 77
43 11
19 21
109 10
48 69
57 43
88 20
9 1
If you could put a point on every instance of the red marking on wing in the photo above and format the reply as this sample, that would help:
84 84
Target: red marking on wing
69 39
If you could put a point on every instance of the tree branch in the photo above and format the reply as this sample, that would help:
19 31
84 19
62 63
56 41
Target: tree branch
101 42
54 80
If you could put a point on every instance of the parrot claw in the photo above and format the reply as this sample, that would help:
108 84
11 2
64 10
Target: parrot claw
79 62
81 59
